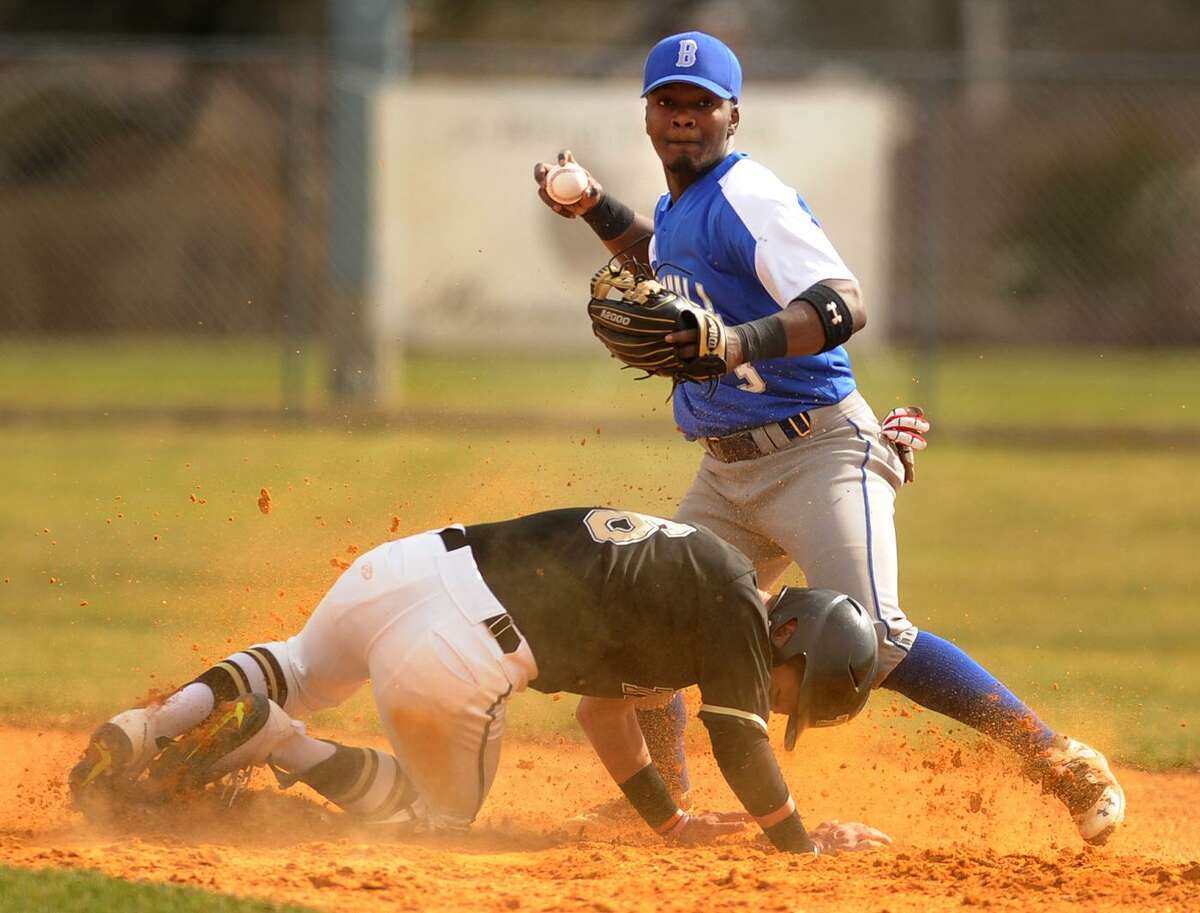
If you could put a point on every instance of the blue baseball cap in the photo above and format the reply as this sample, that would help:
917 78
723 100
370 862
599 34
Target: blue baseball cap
696 58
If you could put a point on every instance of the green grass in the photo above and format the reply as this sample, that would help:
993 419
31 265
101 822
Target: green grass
60 891
147 373
1069 571
1056 389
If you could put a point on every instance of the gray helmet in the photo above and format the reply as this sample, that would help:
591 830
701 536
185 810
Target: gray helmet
835 636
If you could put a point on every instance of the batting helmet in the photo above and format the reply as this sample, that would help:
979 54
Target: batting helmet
835 636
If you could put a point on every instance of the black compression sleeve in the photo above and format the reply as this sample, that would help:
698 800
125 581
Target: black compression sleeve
747 763
762 339
745 758
647 792
790 836
609 218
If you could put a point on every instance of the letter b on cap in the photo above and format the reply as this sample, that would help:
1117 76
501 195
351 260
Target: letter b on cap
687 53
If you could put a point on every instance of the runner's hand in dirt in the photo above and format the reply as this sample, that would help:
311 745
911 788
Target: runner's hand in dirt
698 829
833 837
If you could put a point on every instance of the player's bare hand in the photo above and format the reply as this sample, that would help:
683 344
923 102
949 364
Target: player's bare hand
852 837
697 829
591 196
906 428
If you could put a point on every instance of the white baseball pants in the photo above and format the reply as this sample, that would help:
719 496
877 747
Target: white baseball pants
408 616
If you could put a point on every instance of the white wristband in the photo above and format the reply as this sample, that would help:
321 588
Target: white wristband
674 823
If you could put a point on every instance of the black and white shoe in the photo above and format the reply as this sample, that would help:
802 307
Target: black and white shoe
1082 780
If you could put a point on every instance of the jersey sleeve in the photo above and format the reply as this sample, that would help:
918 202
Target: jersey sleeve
735 656
783 243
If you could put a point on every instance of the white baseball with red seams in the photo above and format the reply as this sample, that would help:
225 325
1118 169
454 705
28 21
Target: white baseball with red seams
566 183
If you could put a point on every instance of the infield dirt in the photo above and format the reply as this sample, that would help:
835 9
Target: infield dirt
967 831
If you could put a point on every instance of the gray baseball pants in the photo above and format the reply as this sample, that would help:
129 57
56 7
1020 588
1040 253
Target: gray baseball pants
825 501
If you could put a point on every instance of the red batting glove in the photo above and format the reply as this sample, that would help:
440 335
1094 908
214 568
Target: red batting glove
906 427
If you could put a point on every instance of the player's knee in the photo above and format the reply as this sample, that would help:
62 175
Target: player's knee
592 711
262 669
585 713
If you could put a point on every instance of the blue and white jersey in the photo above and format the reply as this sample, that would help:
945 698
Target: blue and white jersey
742 243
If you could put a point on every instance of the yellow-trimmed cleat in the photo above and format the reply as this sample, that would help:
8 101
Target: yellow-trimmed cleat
115 756
238 734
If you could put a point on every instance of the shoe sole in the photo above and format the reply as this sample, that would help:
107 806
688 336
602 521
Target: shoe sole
94 779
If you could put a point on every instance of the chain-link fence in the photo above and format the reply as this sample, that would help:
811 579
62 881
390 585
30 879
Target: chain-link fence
1053 212
186 191
161 191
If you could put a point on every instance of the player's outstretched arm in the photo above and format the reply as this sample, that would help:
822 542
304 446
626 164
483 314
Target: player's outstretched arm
750 768
621 230
611 726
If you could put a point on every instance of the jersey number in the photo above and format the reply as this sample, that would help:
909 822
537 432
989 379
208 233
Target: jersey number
752 380
624 527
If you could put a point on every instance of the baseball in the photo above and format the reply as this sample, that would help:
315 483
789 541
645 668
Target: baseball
565 184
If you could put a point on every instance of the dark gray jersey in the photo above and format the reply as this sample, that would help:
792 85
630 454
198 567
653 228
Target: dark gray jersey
615 603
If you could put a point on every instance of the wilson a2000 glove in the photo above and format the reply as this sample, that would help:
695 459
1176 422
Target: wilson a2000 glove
632 313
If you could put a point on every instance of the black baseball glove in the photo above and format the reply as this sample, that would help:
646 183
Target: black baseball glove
632 313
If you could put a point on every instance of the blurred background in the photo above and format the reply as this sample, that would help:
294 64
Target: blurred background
294 245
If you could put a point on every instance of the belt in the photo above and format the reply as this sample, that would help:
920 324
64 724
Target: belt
500 627
742 445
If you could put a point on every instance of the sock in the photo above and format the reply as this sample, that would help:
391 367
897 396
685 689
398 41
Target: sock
187 707
302 753
261 669
257 670
662 728
939 676
364 782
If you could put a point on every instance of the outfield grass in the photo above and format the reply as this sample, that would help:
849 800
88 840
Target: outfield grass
1055 389
1069 571
62 891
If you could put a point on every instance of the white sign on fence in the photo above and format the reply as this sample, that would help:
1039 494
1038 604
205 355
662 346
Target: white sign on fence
466 253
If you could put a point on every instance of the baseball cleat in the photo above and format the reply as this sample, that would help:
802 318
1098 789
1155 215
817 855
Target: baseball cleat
1082 780
238 735
115 756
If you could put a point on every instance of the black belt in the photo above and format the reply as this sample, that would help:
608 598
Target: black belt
453 538
500 627
733 448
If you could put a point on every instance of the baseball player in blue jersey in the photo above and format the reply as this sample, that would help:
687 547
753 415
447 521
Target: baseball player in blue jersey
796 467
